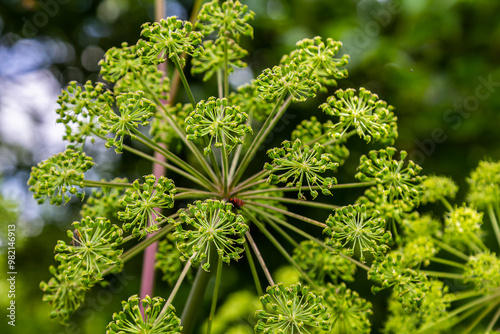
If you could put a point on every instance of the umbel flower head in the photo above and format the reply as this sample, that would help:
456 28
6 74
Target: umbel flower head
320 56
303 164
212 224
399 181
140 202
63 294
483 270
436 188
223 124
134 110
118 62
92 250
409 285
462 227
80 108
59 175
292 309
156 318
289 79
370 117
171 37
229 19
484 183
348 311
364 230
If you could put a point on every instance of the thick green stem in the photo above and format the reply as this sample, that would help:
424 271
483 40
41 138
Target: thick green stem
443 274
213 307
195 300
105 184
493 321
447 262
451 250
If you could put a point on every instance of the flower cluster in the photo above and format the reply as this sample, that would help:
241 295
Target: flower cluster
291 309
303 164
483 270
370 117
156 319
63 294
212 224
484 184
436 188
408 284
354 225
229 19
284 80
80 108
399 181
134 110
224 125
462 227
171 37
93 248
349 312
59 175
140 202
320 55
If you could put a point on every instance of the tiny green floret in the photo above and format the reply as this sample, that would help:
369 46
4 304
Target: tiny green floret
292 309
399 181
153 321
303 164
94 248
80 108
140 202
63 294
370 117
364 230
134 110
229 19
320 55
349 312
59 175
290 79
224 125
170 37
212 224
436 188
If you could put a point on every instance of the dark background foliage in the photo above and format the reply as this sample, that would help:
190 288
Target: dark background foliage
436 62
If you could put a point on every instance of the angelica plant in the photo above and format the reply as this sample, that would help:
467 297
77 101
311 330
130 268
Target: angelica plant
207 218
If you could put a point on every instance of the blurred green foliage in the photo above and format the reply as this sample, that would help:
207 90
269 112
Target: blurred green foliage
436 61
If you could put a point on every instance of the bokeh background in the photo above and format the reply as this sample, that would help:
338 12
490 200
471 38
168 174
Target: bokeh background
436 61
